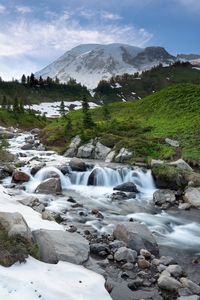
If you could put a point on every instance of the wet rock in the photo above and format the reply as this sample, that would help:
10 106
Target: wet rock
101 151
193 297
167 260
126 187
65 170
192 196
136 236
123 155
15 224
78 165
50 186
19 176
168 283
193 288
92 179
147 294
121 292
175 270
99 249
35 131
110 157
27 146
145 253
47 215
163 197
30 201
116 245
125 254
58 245
37 168
4 134
184 206
143 263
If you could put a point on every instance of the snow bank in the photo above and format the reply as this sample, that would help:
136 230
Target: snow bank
37 280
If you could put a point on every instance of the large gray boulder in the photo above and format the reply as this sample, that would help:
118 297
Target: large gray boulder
14 224
19 176
76 164
49 186
126 187
86 151
168 283
192 196
192 288
101 151
181 164
162 197
136 236
72 150
125 254
58 245
172 143
123 155
110 157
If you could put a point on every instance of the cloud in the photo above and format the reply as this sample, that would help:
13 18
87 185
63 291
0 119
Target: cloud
23 9
2 8
110 16
191 5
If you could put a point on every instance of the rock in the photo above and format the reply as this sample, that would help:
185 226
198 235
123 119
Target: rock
64 169
37 168
19 176
56 245
167 260
27 146
143 263
192 196
193 297
72 150
99 248
110 157
47 215
92 179
175 270
126 187
145 253
30 201
168 283
125 254
123 155
136 236
35 131
86 151
4 134
181 164
116 245
148 294
101 151
77 164
184 206
162 197
15 224
193 288
121 292
50 186
156 162
172 143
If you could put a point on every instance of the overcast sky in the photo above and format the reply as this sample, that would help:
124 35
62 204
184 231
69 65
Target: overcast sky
33 33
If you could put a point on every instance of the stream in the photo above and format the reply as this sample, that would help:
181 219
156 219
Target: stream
174 228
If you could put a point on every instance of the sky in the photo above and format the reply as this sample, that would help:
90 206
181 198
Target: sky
33 33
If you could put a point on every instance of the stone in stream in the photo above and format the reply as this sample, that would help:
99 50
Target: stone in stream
163 197
77 164
125 254
19 176
168 283
49 186
37 168
27 146
136 236
190 288
126 187
56 245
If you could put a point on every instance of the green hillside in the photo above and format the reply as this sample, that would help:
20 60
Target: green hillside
129 87
141 126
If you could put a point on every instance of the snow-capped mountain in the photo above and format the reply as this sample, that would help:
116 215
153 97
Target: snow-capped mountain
91 63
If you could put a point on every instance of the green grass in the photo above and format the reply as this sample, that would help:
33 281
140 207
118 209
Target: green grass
142 126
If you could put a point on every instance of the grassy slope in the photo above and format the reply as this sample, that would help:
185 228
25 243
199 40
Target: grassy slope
143 125
152 80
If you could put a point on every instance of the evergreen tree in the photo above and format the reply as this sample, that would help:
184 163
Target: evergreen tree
57 81
106 112
41 81
87 118
23 79
32 80
21 106
4 102
62 108
16 105
68 127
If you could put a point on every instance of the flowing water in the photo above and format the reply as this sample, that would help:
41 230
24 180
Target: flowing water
170 229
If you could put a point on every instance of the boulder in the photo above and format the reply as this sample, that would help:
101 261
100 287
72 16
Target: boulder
30 201
110 157
72 150
162 197
193 288
192 196
156 162
123 155
28 146
56 245
4 134
125 254
172 143
101 151
168 283
126 187
19 176
37 168
86 151
181 164
35 131
50 186
175 270
193 297
92 179
14 224
136 236
76 164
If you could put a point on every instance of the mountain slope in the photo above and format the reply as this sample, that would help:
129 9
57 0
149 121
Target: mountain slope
91 63
141 126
